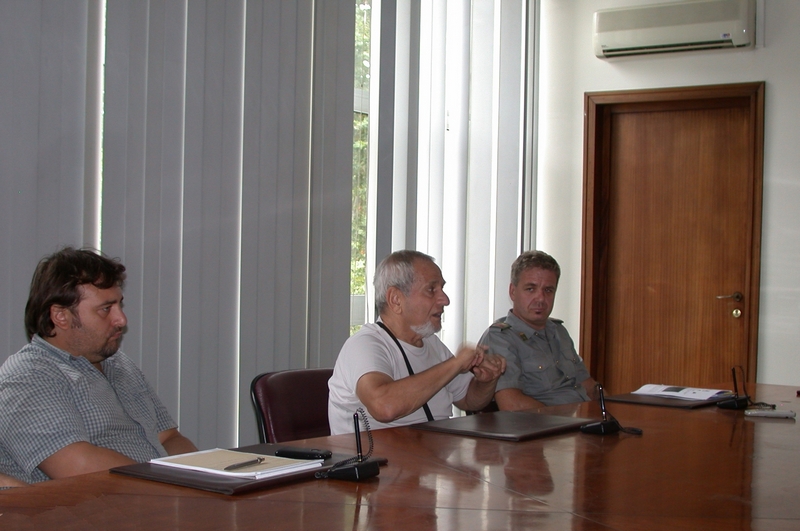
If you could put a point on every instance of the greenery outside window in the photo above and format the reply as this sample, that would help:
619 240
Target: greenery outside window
358 245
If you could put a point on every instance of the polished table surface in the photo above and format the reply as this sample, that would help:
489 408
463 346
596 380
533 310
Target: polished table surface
691 469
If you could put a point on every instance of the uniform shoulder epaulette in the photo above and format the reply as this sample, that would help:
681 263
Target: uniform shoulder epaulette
557 321
500 325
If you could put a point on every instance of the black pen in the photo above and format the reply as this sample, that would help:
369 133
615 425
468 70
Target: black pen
243 464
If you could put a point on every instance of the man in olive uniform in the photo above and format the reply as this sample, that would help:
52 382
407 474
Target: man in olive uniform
542 366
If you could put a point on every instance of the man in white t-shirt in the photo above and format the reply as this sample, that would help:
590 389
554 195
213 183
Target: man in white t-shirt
371 371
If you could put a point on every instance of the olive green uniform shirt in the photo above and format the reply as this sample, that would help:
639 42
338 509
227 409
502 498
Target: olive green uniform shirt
543 364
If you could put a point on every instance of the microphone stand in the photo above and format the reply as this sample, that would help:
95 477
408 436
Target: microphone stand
358 467
608 425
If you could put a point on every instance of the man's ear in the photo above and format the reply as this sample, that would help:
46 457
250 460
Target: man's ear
61 317
511 289
394 300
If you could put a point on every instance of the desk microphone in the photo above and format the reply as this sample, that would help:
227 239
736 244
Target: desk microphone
358 467
609 424
736 402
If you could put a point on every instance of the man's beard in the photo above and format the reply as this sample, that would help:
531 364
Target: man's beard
426 330
109 348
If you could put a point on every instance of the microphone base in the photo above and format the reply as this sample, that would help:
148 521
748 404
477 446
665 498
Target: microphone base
356 471
604 427
738 402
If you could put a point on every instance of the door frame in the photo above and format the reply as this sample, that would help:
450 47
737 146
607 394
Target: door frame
596 176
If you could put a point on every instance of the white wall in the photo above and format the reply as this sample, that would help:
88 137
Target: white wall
568 69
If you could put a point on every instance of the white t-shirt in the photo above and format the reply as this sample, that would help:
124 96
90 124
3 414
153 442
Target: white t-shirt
372 350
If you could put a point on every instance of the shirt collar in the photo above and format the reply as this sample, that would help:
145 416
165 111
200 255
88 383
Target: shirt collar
521 326
40 342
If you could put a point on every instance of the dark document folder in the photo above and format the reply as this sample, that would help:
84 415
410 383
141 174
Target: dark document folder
506 425
225 484
204 481
650 400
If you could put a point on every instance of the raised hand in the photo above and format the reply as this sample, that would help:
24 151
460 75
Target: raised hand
491 367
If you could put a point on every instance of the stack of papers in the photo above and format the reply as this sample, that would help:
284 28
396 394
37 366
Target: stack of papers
215 461
684 393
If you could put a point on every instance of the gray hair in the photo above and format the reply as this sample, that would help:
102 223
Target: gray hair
534 259
396 271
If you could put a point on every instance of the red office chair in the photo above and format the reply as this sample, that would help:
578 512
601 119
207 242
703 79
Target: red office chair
291 405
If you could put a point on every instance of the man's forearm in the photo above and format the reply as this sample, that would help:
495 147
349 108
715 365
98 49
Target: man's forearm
478 396
590 385
388 400
8 481
179 445
82 458
512 399
175 443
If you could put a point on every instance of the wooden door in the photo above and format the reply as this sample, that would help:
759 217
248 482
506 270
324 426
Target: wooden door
672 219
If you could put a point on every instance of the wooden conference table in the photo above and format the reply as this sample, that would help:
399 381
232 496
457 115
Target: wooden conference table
691 469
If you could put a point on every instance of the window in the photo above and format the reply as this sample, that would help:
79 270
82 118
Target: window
447 123
358 256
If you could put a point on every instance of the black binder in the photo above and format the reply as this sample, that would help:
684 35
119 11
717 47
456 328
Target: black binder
225 484
506 425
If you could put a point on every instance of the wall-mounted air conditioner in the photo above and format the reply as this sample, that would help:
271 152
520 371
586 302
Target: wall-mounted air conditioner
672 27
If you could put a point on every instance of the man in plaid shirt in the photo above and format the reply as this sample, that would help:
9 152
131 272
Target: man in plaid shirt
70 401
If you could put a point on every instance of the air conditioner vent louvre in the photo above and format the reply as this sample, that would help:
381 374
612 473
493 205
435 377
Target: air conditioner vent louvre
671 48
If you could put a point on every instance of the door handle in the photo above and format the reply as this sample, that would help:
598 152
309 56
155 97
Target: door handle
738 297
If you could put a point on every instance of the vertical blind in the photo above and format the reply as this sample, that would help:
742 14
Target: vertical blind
227 168
454 127
49 174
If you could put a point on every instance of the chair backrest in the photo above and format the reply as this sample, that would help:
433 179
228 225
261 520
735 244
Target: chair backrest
489 408
291 404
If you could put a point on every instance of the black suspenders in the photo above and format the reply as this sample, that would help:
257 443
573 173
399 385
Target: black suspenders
408 365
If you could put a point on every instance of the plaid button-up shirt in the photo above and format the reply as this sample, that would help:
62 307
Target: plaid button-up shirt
50 399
